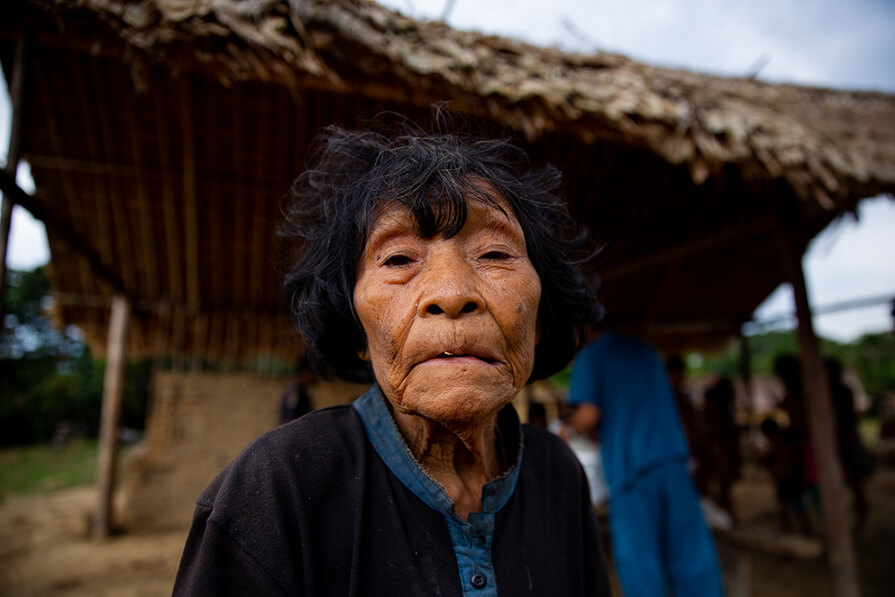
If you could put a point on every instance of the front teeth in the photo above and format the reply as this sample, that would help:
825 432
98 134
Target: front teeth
449 354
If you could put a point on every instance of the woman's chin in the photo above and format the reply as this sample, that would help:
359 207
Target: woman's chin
457 403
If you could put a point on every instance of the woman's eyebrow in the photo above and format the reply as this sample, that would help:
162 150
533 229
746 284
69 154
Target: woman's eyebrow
501 223
385 230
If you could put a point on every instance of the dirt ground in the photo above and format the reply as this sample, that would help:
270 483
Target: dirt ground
45 551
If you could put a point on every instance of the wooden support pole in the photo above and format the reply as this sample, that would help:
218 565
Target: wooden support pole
162 331
113 388
13 154
60 230
200 329
746 371
190 211
823 431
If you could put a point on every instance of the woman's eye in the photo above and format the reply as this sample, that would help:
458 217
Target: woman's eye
396 260
496 255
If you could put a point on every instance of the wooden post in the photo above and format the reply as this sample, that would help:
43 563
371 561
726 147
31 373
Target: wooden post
746 372
752 429
823 431
13 154
113 387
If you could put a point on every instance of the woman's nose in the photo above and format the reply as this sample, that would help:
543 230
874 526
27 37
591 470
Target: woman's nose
449 288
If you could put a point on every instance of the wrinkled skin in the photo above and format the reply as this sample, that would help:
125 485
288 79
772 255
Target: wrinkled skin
451 329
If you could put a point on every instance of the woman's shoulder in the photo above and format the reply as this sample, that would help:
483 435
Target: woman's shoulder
551 475
544 449
251 521
321 433
308 451
324 423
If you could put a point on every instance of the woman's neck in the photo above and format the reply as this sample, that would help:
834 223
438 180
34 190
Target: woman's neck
462 459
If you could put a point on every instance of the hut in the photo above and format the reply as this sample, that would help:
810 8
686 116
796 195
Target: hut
162 135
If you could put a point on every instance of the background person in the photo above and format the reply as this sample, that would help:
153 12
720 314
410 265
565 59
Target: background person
802 491
295 400
856 459
659 536
723 436
692 421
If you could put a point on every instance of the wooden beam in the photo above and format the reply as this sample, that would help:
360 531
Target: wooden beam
103 301
178 351
746 369
162 333
81 166
266 362
666 290
303 114
675 252
147 253
13 154
823 431
97 226
254 352
239 260
122 235
275 347
171 221
260 199
113 389
190 217
672 328
139 342
216 336
649 184
200 330
71 201
60 229
130 171
231 356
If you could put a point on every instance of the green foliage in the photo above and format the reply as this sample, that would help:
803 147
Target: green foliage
563 378
36 396
872 356
48 378
27 332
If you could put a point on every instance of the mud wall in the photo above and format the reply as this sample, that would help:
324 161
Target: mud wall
199 422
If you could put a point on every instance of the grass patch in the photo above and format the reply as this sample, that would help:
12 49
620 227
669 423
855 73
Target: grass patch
868 429
32 469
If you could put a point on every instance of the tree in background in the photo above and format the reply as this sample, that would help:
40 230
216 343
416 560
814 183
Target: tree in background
872 356
48 376
27 332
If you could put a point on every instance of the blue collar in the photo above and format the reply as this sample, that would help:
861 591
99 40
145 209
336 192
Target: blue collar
471 539
388 442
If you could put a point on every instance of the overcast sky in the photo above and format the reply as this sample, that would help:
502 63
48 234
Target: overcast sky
828 43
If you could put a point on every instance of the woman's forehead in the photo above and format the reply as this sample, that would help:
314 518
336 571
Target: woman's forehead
395 218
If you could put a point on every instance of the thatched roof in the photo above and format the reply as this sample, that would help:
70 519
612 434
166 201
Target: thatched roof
166 131
827 144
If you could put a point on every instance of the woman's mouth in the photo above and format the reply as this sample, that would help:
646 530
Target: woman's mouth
464 356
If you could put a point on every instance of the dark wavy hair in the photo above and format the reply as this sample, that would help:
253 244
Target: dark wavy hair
352 176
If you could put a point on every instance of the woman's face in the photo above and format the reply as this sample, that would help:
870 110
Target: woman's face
450 323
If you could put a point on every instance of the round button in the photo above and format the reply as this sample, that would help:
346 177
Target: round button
478 580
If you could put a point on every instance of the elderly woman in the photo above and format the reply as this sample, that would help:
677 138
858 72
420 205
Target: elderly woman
440 270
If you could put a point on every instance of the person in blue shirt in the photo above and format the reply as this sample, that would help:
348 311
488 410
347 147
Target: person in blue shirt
659 537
